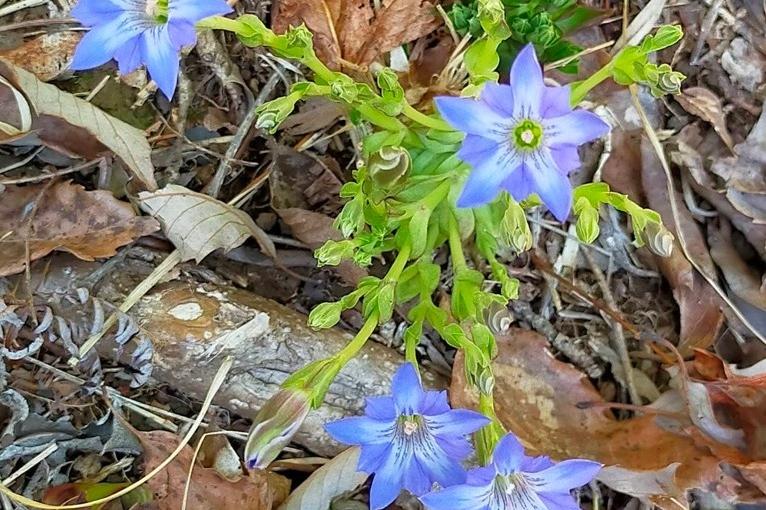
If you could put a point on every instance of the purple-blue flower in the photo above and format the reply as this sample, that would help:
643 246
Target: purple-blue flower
136 32
521 138
409 440
514 481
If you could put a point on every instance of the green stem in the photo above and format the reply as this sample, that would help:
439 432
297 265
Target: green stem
487 438
354 346
456 246
380 119
221 23
424 119
581 89
398 266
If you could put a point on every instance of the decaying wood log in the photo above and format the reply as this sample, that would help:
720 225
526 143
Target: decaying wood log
193 324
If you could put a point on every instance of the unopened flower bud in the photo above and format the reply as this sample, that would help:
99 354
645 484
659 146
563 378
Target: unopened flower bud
325 315
658 238
587 221
516 232
274 426
387 166
332 253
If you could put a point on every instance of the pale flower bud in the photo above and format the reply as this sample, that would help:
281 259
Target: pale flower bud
274 426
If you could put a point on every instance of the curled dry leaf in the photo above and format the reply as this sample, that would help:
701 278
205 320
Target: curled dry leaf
198 224
700 310
706 105
72 125
326 483
743 280
350 30
63 216
207 490
555 411
745 173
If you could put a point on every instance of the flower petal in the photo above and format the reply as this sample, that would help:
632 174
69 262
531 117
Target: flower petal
457 422
161 58
471 116
434 402
554 188
518 184
575 128
407 390
416 480
459 497
440 467
371 456
482 476
567 158
182 33
499 97
196 10
380 408
128 56
94 12
360 430
556 101
527 83
559 501
98 46
387 482
476 149
564 476
484 182
508 454
535 464
456 447
523 497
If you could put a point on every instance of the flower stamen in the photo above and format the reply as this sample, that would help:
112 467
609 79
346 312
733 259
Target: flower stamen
527 135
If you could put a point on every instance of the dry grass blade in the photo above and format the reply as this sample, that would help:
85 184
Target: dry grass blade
641 25
198 224
215 385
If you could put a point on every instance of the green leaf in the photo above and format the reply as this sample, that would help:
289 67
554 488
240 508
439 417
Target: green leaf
465 290
484 339
351 217
664 37
418 230
331 253
579 17
587 220
481 60
492 19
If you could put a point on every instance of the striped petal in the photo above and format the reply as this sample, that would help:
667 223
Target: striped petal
161 58
575 128
99 46
527 83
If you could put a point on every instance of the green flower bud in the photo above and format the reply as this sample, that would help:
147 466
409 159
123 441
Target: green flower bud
515 229
325 315
521 26
658 238
332 253
669 81
485 381
387 166
273 113
274 426
296 43
587 221
498 318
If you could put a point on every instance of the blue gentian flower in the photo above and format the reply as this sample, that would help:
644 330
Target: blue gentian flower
521 138
514 481
136 32
409 440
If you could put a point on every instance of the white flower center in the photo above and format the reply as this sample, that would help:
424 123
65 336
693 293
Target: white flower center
527 136
409 427
152 9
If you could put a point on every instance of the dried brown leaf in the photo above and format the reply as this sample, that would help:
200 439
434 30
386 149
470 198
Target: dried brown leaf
63 216
399 22
207 490
706 105
350 30
555 411
700 309
76 127
743 280
331 480
198 224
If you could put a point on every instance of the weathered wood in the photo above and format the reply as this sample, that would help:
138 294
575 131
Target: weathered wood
194 323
